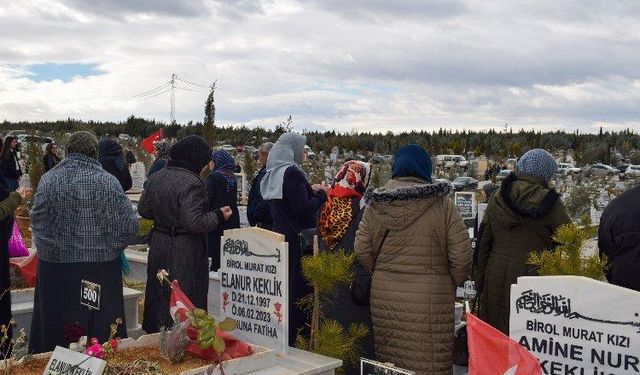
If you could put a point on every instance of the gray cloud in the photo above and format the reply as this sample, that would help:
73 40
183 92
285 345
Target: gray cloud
117 8
385 10
374 64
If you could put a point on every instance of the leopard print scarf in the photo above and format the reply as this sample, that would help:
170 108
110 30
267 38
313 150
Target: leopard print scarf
335 219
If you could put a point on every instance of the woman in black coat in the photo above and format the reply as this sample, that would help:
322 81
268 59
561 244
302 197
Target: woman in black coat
9 163
294 206
50 158
176 200
337 225
222 189
111 157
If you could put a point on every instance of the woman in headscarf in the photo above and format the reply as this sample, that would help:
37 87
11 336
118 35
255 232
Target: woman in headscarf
161 152
415 244
338 221
222 188
9 201
92 225
9 163
50 158
521 217
111 157
294 206
176 200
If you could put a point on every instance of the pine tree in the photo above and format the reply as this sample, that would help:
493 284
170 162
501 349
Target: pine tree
208 130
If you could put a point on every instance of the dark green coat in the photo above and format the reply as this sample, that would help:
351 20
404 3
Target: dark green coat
521 217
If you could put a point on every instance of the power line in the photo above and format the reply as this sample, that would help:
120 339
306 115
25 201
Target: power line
190 83
169 87
153 96
152 91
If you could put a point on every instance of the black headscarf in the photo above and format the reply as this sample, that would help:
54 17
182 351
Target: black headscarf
191 153
110 150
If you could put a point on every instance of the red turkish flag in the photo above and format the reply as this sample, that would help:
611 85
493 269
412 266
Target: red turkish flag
147 143
493 353
180 304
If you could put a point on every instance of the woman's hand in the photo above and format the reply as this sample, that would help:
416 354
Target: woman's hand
23 192
226 212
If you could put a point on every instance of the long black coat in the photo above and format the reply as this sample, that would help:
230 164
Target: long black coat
176 200
342 308
123 175
619 239
258 210
297 210
220 196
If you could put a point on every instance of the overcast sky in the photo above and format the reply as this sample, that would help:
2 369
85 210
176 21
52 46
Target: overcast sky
366 65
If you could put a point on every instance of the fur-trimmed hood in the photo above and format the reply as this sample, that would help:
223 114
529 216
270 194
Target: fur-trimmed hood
402 200
523 198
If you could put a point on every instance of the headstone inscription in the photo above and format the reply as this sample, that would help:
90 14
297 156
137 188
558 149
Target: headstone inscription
254 285
576 325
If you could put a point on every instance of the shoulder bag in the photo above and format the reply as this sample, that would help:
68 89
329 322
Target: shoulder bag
360 288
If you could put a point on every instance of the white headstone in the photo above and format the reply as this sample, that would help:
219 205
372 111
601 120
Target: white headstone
242 186
482 208
466 204
254 285
576 325
138 175
595 215
65 361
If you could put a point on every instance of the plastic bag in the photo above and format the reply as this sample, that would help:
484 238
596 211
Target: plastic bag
16 244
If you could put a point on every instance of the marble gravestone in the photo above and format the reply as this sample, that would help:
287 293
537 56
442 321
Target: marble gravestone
138 176
254 286
575 325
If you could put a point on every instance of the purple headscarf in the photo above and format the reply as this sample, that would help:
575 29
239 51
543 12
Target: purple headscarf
225 164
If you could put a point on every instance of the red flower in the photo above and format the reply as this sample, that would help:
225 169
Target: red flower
113 343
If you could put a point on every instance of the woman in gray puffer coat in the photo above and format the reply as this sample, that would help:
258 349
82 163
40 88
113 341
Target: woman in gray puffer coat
175 198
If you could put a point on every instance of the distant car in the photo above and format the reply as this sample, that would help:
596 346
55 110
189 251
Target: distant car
377 159
503 174
465 183
600 169
567 168
436 180
24 139
622 168
228 148
633 170
124 137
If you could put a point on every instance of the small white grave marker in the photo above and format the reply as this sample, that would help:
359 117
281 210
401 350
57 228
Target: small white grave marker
65 361
138 175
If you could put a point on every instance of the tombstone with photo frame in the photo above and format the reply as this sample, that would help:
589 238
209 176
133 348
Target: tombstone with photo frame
242 187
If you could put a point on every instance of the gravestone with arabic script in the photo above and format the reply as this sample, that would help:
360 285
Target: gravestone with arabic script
254 286
575 325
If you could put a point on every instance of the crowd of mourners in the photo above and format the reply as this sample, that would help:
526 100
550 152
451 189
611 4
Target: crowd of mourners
408 237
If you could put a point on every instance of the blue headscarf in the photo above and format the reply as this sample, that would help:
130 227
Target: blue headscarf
412 161
537 163
225 164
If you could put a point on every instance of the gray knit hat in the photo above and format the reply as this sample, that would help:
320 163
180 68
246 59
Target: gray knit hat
84 143
537 163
